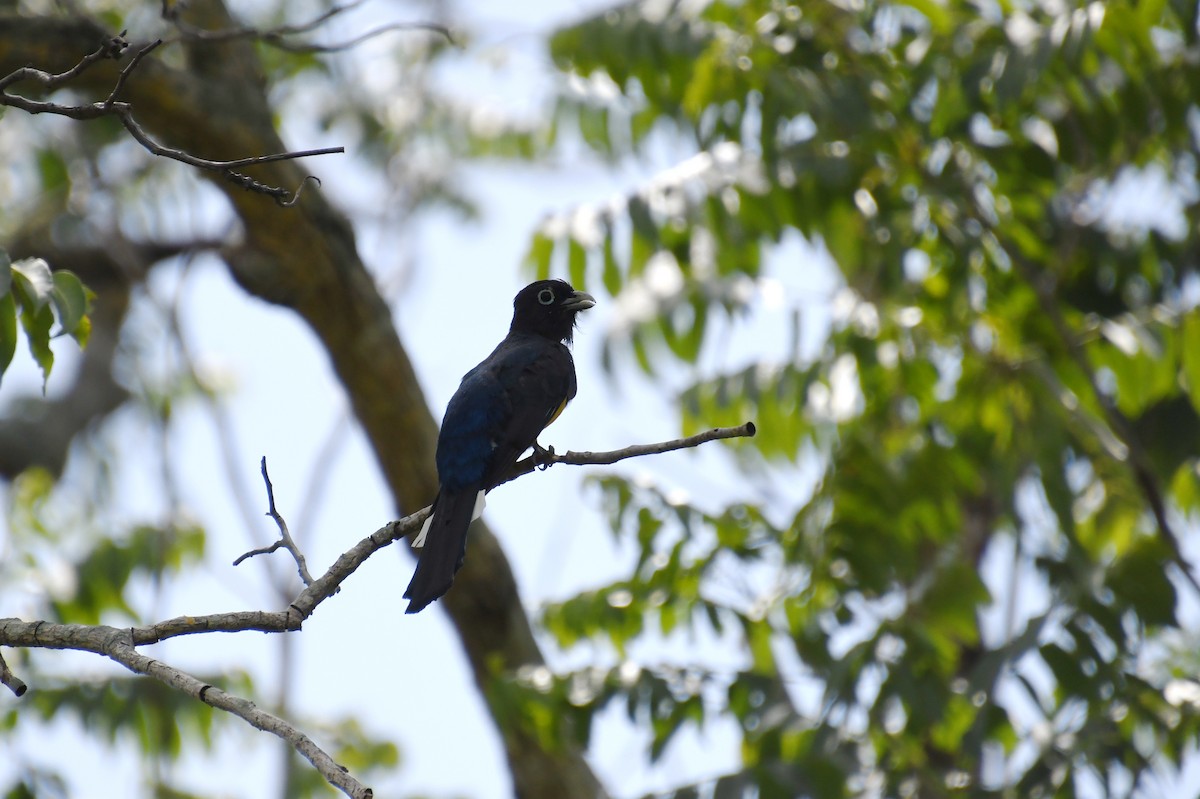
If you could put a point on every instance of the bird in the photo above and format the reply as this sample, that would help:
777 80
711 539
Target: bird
497 413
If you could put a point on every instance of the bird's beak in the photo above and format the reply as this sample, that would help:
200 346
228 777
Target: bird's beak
579 301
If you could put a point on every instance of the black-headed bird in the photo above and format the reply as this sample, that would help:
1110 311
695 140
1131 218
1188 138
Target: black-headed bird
500 408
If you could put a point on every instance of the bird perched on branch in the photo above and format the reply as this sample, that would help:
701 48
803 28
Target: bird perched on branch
499 410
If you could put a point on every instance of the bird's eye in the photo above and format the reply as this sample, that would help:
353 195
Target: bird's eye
545 296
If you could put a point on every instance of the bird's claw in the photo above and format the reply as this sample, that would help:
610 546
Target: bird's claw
543 457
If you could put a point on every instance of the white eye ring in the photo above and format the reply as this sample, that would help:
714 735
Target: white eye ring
546 296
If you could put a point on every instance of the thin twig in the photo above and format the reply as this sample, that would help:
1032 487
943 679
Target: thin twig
123 111
129 68
285 538
278 36
10 680
310 47
548 458
110 49
299 190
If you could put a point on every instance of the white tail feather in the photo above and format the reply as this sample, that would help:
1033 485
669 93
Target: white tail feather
480 503
419 541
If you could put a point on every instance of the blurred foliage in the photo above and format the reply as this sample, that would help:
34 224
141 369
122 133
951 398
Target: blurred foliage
31 292
366 754
77 570
977 593
73 184
158 716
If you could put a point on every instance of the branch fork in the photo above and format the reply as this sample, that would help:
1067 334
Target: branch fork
113 48
121 644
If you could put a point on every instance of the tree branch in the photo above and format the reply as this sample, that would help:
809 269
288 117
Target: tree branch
113 48
325 586
277 36
111 107
308 263
547 458
10 680
120 644
285 538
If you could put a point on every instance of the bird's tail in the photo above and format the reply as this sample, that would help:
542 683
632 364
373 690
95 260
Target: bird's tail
445 543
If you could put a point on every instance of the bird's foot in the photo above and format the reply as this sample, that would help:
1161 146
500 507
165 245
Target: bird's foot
543 457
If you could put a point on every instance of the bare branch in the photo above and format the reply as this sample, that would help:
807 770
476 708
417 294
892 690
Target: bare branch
284 197
285 538
129 68
325 586
14 632
299 190
309 47
119 645
267 550
278 36
124 112
113 48
546 458
10 680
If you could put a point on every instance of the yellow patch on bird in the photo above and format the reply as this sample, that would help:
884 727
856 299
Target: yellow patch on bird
557 413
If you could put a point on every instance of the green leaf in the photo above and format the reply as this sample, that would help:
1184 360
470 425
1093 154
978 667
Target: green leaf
83 331
953 601
576 264
969 401
1067 672
611 274
1190 351
541 248
643 221
8 331
1185 486
37 324
32 278
1140 578
71 300
939 19
54 173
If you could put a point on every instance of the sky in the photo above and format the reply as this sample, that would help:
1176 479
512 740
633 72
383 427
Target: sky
404 676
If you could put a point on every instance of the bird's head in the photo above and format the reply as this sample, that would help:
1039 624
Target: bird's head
548 308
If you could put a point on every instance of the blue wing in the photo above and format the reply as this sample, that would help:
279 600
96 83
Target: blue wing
497 413
501 407
474 418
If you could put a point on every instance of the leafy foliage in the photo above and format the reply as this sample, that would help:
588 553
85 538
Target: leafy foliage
102 571
31 292
359 750
984 578
981 591
76 187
